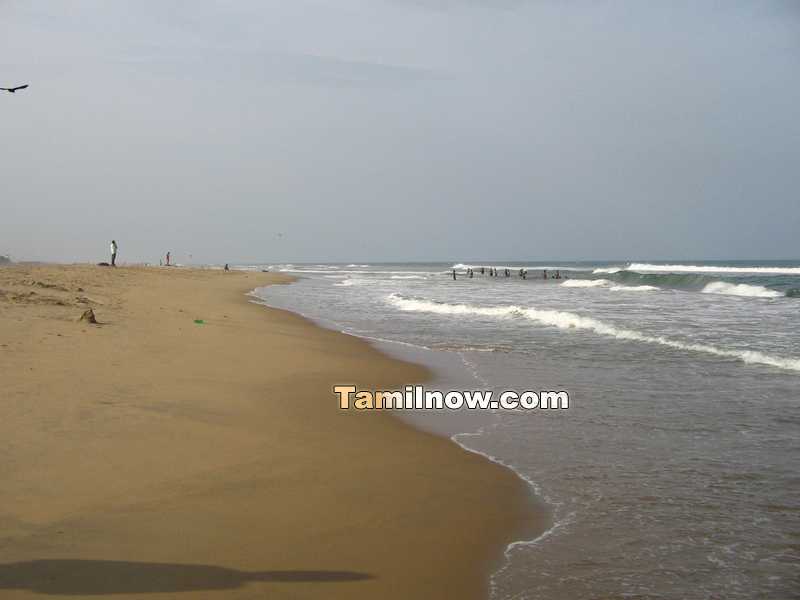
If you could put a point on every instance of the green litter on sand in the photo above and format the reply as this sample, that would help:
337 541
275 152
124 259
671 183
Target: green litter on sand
199 321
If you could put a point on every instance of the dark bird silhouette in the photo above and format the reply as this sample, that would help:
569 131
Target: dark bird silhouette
14 89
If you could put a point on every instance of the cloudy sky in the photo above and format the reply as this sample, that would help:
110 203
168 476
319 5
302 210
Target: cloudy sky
341 130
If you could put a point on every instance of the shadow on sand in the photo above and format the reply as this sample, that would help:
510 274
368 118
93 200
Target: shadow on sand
89 577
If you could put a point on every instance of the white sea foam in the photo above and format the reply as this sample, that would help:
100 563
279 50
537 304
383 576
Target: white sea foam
608 270
568 320
634 288
585 283
407 277
713 269
605 283
740 289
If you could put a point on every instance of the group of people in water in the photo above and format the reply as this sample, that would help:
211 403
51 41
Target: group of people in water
493 272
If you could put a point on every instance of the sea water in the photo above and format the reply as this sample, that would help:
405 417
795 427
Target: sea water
676 471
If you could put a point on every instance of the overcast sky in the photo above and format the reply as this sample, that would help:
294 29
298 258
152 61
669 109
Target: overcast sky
400 129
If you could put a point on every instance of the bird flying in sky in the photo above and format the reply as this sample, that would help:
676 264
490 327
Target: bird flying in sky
14 89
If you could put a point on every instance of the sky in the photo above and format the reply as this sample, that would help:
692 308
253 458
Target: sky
400 130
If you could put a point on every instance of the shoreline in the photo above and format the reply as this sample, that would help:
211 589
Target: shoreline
164 445
450 425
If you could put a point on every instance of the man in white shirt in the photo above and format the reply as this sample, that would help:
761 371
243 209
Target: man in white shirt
113 253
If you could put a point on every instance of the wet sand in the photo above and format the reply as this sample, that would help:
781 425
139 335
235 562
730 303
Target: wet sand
150 454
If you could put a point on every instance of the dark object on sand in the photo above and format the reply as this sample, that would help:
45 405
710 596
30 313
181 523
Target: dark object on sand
199 321
14 89
265 270
103 264
95 578
88 316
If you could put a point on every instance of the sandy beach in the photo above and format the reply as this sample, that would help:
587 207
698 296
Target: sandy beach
149 454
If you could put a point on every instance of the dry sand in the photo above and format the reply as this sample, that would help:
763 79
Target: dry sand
150 455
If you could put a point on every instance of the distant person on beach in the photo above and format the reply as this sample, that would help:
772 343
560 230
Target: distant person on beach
113 253
558 275
544 273
454 274
168 257
227 268
482 272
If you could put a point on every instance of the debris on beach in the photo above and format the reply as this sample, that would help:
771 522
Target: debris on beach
88 316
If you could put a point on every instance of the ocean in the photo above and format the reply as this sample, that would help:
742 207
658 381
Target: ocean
675 473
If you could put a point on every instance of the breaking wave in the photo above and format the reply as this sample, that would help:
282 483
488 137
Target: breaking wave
583 283
713 269
702 282
568 320
634 288
348 282
605 283
740 289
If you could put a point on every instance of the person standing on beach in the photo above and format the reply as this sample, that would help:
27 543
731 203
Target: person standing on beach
168 255
113 253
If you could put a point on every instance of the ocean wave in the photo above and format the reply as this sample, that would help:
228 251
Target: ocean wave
585 283
568 320
609 270
740 289
605 283
354 265
713 269
407 277
634 288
